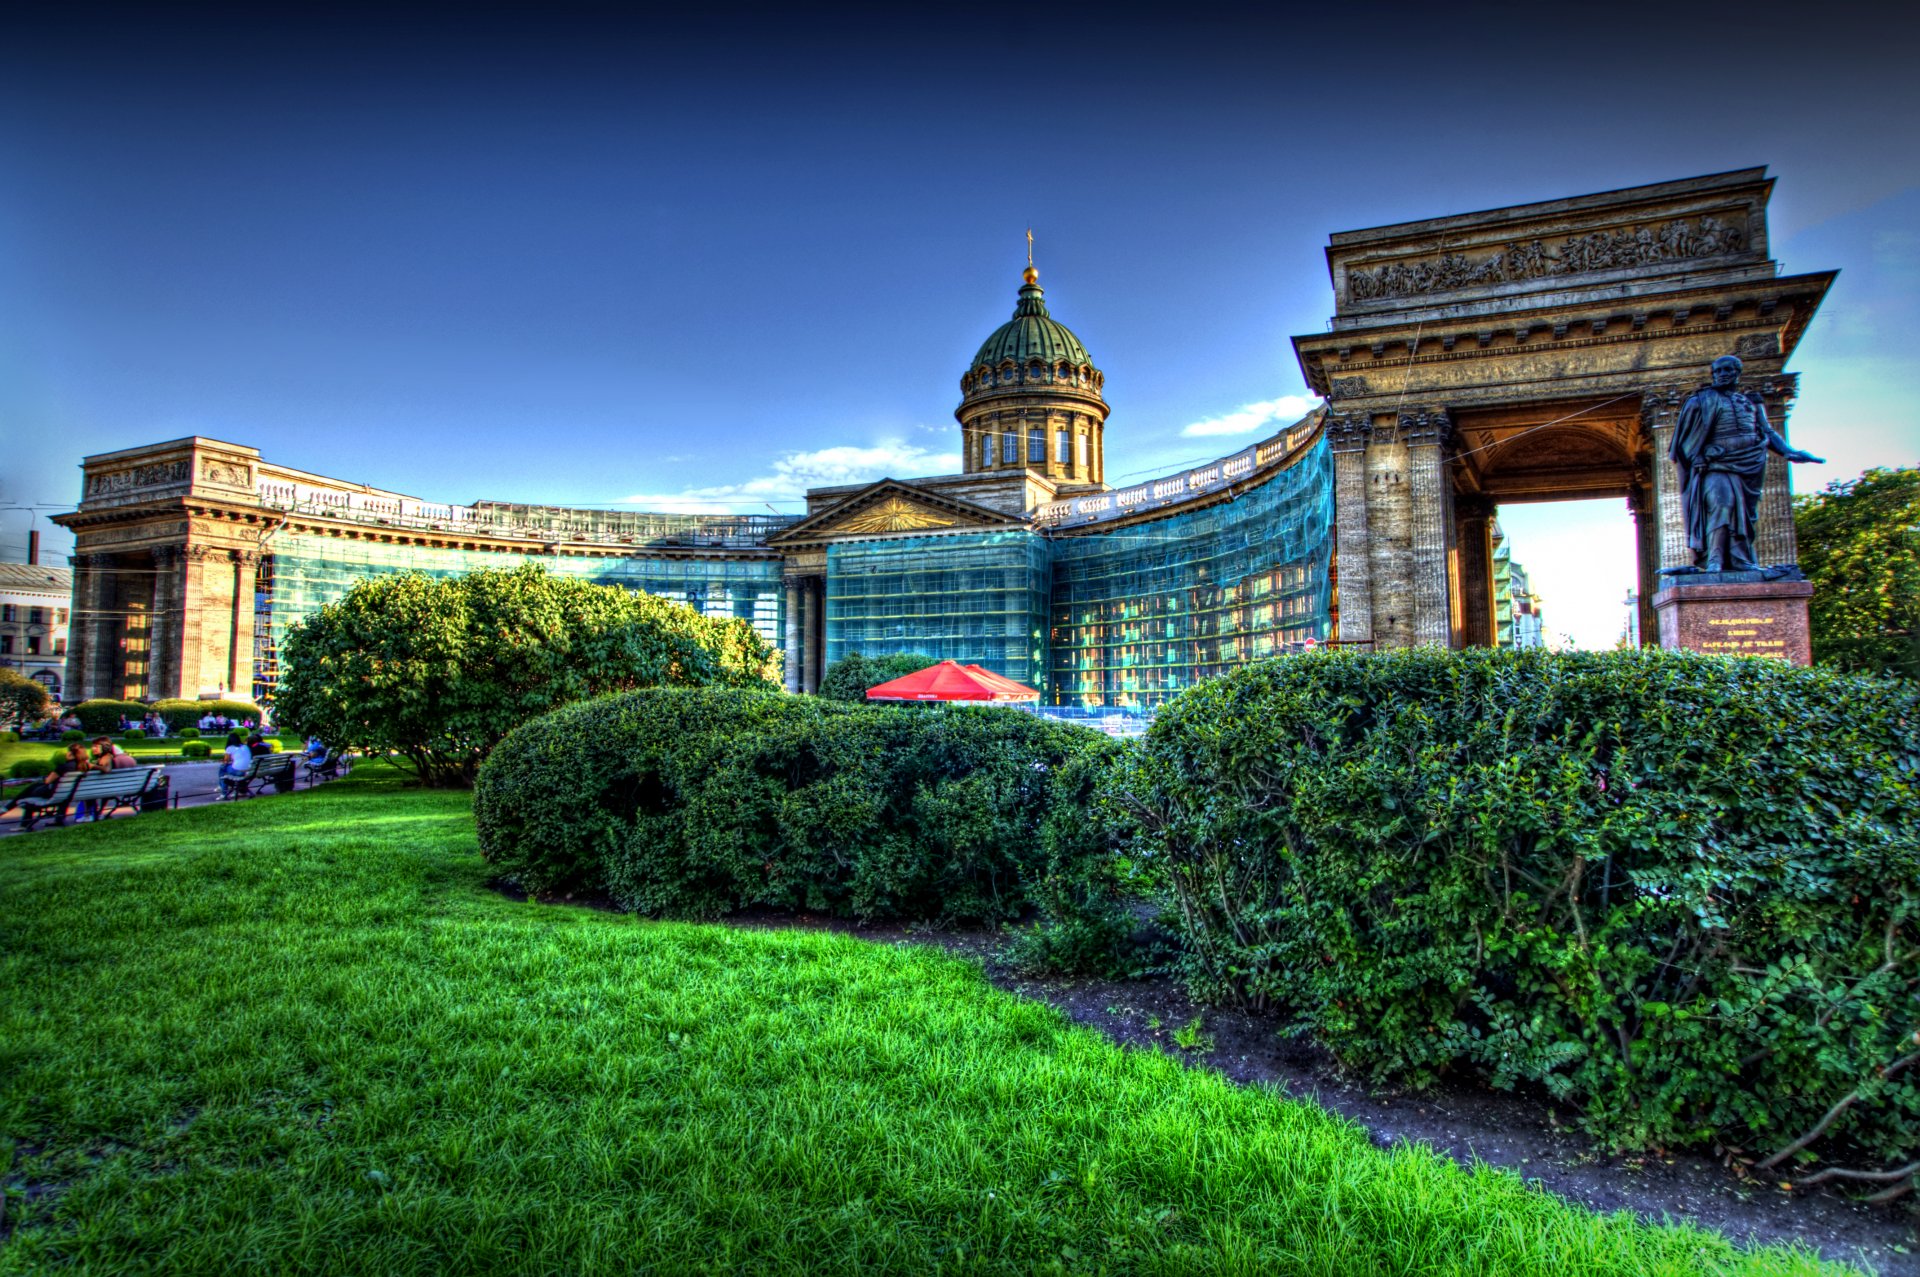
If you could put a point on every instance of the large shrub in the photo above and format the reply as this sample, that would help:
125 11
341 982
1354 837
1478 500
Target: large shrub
1860 544
184 713
437 671
98 717
1680 892
851 675
22 700
695 803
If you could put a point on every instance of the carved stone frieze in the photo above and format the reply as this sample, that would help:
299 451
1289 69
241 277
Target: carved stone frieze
1349 387
1682 239
893 515
113 483
232 474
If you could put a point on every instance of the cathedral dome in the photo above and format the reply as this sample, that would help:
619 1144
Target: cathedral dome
1032 334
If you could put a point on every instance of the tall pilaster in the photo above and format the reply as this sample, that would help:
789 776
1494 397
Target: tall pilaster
1347 435
1659 410
807 642
163 653
1774 540
1646 539
1429 493
206 578
1473 534
246 568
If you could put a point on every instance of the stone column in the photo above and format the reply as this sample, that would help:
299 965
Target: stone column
204 617
1473 532
246 569
1426 434
1659 409
163 640
1646 535
74 682
101 625
791 665
1347 435
806 635
1774 540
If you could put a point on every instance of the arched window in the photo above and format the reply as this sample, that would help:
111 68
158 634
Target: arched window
1037 446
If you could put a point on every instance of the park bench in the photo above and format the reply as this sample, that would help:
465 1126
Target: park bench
319 769
274 769
122 787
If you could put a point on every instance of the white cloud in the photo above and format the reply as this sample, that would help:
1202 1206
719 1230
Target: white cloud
1269 415
794 473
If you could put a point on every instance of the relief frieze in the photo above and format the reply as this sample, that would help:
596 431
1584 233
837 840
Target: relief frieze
1680 240
115 482
232 474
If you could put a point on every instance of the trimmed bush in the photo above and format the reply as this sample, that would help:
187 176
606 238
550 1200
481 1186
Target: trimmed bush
1681 893
195 749
182 714
692 803
99 717
133 733
30 767
72 734
853 674
9 737
188 733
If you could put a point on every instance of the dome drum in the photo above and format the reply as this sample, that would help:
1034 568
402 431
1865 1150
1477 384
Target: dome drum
1032 398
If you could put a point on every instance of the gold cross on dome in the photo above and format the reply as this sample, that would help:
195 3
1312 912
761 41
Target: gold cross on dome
1029 245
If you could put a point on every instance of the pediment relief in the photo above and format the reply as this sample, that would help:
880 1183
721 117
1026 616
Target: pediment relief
892 506
892 514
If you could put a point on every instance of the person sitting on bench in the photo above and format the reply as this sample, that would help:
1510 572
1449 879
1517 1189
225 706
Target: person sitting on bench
239 759
77 760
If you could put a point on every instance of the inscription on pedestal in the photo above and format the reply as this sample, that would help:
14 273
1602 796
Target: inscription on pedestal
1762 618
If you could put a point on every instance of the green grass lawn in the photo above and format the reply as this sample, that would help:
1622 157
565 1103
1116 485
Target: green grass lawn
300 1035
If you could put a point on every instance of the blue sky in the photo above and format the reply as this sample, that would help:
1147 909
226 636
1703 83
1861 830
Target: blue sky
577 256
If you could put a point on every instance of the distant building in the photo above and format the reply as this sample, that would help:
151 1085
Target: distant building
1516 608
34 617
1630 630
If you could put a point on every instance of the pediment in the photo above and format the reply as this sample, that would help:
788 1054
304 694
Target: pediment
889 506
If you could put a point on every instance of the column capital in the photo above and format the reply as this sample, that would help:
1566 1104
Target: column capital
204 553
166 555
1474 505
94 562
1426 427
1349 431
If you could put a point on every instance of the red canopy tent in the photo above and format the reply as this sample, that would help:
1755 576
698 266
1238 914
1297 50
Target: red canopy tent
952 681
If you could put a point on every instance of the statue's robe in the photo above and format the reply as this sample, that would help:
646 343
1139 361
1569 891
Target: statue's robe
1720 449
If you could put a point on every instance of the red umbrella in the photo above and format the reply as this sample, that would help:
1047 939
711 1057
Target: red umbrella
952 681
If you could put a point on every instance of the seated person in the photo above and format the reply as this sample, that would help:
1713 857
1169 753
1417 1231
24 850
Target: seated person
239 759
261 744
206 722
77 759
316 752
108 756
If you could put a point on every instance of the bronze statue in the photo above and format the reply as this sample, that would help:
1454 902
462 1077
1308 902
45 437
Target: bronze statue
1720 447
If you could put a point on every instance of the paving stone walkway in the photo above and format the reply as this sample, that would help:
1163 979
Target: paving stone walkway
189 785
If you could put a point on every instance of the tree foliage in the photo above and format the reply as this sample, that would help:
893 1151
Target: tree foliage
437 671
854 673
1860 546
1680 893
22 700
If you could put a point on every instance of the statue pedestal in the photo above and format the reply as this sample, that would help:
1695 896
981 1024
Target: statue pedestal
1736 614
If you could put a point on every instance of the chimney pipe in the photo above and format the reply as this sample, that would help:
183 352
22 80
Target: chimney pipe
33 548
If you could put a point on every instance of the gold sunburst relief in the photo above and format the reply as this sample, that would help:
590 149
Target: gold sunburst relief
893 515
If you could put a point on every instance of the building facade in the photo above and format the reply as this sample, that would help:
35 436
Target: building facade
35 610
1529 353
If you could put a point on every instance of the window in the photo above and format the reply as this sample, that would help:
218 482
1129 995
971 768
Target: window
36 616
1083 451
59 647
1010 450
6 644
33 645
6 611
1037 446
1060 446
59 616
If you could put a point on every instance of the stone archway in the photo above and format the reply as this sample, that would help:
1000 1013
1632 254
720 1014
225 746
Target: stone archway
1536 353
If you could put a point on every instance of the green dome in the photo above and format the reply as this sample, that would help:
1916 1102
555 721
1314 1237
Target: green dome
1031 334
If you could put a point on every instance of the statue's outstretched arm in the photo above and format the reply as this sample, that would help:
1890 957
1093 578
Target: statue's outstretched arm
1779 445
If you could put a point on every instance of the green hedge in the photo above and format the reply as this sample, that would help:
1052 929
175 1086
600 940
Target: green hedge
695 802
72 734
183 713
188 733
1681 893
195 749
30 767
100 717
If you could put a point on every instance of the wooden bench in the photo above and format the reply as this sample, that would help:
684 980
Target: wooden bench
274 769
121 787
328 768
